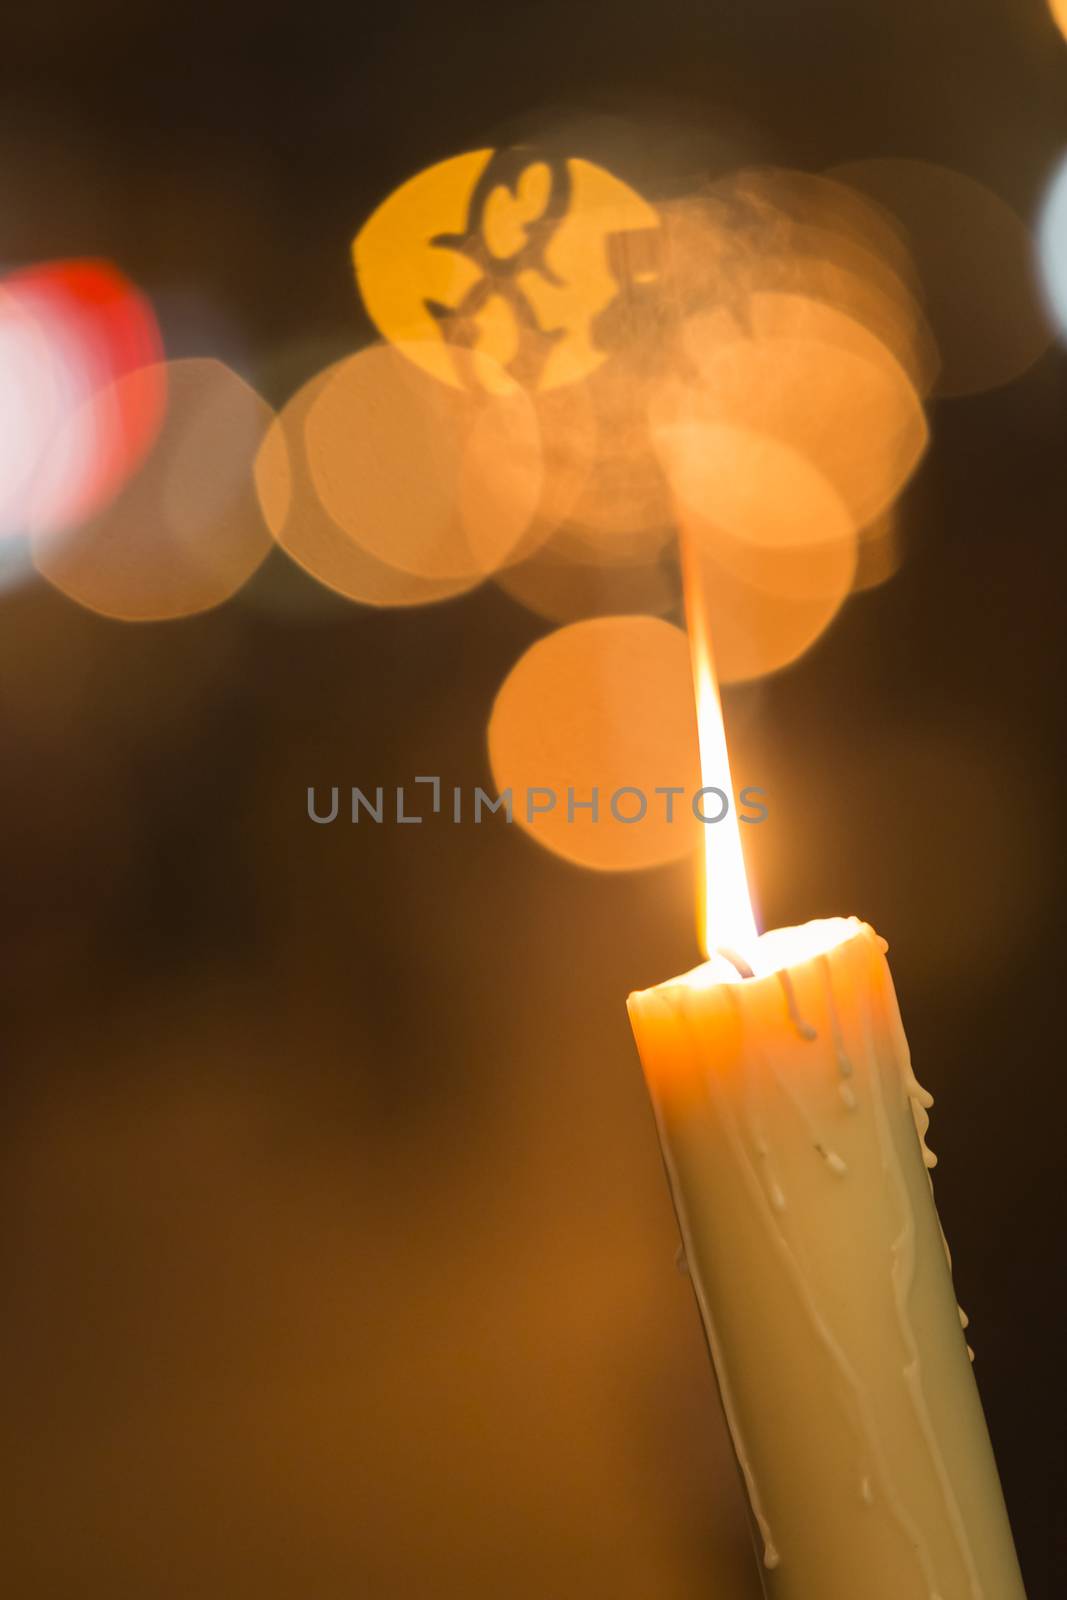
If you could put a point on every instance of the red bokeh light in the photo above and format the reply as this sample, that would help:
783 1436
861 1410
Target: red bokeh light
69 330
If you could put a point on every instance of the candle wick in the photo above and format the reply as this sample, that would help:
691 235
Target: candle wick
736 960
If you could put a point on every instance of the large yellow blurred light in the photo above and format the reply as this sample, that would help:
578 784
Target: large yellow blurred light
504 254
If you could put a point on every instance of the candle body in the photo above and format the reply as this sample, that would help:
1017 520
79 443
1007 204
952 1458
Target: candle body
792 1130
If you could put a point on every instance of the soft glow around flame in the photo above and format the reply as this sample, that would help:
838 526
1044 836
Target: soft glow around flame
727 921
776 951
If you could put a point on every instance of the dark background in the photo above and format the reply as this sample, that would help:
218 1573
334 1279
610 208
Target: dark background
338 1253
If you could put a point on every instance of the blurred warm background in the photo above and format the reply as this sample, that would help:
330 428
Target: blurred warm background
339 1259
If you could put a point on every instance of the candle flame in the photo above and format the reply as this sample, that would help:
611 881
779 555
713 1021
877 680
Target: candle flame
727 920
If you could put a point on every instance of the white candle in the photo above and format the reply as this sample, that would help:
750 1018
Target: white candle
792 1129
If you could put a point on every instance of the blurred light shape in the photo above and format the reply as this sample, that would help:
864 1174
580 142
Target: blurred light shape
306 532
440 483
758 493
975 261
878 552
1052 241
508 254
768 543
605 246
820 383
558 584
859 296
30 403
400 269
186 530
786 313
570 443
758 621
799 201
16 562
603 704
622 501
772 231
94 328
602 541
805 234
1059 15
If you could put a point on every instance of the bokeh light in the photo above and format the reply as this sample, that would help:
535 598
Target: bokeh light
766 607
770 231
771 311
1052 244
428 478
605 704
759 493
805 234
557 583
506 253
774 545
567 373
622 510
28 403
71 432
879 551
304 529
818 382
186 531
975 260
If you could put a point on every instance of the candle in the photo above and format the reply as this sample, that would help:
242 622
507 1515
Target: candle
793 1132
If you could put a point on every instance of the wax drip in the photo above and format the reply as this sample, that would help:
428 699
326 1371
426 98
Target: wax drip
844 1062
863 1418
788 1086
965 1320
903 1250
754 1112
804 1029
919 1098
771 1557
867 1427
762 1149
836 1164
965 1323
